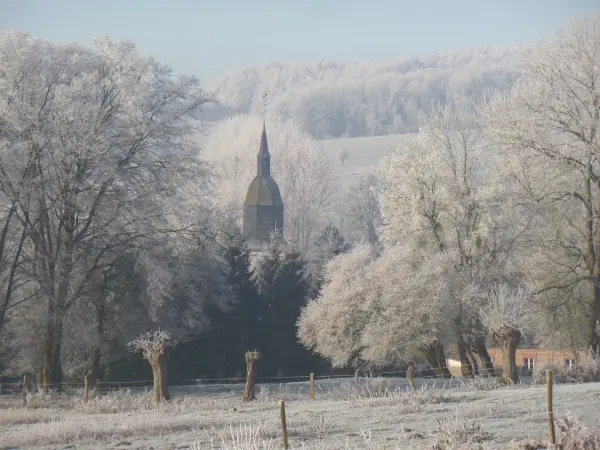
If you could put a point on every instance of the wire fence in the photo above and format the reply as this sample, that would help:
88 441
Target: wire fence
391 382
14 385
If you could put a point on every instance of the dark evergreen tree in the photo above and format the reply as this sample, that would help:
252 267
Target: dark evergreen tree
283 283
219 350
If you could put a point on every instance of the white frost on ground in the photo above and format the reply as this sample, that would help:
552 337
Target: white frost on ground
213 417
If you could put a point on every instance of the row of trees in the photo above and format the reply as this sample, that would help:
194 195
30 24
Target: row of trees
95 165
113 221
332 99
490 227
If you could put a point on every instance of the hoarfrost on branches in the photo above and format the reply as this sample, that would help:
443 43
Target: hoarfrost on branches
547 131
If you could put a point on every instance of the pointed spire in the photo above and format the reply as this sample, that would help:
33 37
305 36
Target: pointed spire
263 149
263 159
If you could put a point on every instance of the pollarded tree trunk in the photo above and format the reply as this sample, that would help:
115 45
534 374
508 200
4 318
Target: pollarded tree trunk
508 343
434 354
154 345
251 358
160 389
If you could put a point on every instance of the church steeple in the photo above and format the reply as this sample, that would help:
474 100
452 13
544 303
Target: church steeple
263 159
263 206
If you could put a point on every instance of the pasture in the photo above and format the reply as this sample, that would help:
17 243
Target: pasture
381 414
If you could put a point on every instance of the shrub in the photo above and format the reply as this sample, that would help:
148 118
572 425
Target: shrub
572 435
586 370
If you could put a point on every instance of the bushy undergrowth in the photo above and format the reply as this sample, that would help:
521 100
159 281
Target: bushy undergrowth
455 432
484 383
572 434
586 370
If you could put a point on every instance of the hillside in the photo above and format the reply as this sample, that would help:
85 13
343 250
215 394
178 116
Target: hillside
333 99
363 152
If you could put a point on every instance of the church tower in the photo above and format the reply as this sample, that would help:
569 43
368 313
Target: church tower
263 207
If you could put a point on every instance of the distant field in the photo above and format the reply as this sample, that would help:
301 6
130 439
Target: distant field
363 153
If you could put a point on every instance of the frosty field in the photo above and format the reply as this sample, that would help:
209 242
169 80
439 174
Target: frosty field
381 416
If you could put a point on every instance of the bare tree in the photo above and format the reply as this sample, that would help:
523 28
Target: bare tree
364 210
507 316
343 155
153 345
547 130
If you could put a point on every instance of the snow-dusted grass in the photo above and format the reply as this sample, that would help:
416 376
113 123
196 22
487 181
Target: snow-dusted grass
382 414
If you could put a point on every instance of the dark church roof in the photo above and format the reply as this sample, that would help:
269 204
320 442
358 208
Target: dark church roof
263 190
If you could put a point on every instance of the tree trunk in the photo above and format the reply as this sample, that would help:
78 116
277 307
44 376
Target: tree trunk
509 344
45 379
474 362
94 374
593 308
478 346
100 318
251 358
52 364
156 372
160 389
466 367
434 354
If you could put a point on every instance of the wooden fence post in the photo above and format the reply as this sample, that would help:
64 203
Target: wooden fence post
312 386
25 389
86 388
551 430
356 379
409 377
283 424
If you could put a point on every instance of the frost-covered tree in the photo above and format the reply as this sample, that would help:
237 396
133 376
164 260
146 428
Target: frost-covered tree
364 210
306 176
547 130
99 137
443 191
331 325
332 99
507 316
330 242
381 310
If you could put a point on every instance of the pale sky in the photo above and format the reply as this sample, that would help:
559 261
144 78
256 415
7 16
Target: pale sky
210 37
